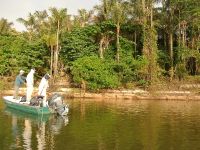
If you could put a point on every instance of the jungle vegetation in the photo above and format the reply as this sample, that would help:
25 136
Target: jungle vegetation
116 44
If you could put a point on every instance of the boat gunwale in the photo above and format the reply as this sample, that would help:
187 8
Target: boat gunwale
24 106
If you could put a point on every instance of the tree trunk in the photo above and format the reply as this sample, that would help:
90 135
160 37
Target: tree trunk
192 43
144 19
183 36
101 48
198 39
151 17
135 39
30 36
179 31
117 43
51 65
56 51
144 24
103 45
171 55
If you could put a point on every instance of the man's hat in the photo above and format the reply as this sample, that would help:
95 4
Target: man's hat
21 71
47 76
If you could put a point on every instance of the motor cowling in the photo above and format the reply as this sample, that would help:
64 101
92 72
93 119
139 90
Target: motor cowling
56 103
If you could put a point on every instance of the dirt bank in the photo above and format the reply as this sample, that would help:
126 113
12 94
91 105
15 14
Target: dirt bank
136 94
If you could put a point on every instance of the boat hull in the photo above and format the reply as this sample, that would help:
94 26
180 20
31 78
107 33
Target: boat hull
25 107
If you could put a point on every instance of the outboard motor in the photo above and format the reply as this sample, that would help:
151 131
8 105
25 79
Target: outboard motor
56 103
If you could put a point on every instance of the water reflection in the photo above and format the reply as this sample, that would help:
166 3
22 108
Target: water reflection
107 125
140 125
57 124
41 136
27 133
34 131
15 133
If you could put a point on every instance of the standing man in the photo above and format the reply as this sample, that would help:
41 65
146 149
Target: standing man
42 89
18 82
29 84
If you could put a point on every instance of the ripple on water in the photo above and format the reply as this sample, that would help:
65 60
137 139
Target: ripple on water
121 124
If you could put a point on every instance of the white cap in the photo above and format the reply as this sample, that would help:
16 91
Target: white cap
21 71
33 70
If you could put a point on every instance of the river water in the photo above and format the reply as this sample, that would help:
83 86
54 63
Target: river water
105 125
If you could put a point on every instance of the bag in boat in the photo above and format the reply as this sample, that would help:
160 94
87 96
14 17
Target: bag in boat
36 101
23 99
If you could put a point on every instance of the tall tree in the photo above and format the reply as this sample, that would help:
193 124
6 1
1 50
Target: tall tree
50 40
5 26
149 49
119 17
84 17
102 16
115 11
42 25
57 18
30 24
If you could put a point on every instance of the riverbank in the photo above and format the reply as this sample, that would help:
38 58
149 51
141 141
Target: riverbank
188 89
136 94
185 93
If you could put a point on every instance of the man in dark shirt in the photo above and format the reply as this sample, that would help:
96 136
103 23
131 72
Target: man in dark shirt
18 82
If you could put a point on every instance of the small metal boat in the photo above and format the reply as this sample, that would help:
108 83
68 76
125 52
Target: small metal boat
55 105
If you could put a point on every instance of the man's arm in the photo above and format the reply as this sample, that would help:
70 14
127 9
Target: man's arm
22 79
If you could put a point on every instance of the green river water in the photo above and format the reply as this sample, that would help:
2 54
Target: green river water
105 125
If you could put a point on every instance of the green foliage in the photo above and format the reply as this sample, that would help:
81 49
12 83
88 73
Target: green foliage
163 60
5 27
126 47
97 73
183 60
17 53
143 83
82 39
37 55
150 52
181 71
78 43
130 69
126 50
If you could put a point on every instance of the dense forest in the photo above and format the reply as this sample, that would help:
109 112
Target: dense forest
116 44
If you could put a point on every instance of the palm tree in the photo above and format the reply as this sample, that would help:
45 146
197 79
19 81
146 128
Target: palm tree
103 10
67 23
30 24
57 18
115 11
119 17
5 26
50 40
41 18
84 16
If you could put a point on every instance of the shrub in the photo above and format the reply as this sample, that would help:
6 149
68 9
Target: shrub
97 73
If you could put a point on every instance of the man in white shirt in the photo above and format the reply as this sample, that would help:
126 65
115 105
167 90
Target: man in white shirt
42 89
29 84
